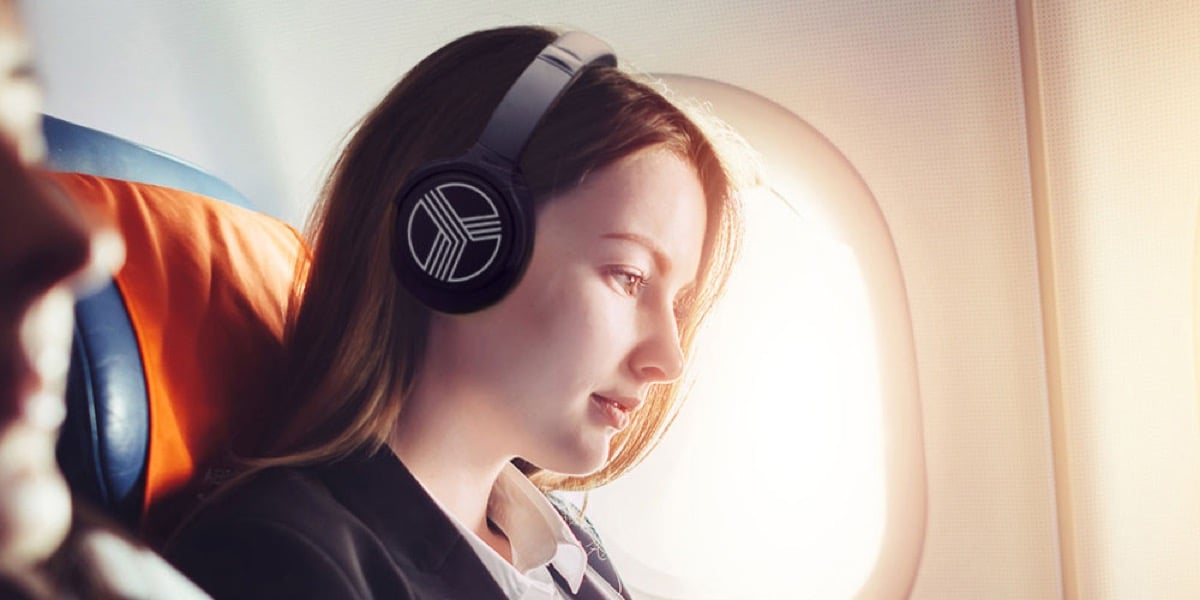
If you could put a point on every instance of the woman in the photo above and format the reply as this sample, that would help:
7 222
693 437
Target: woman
393 473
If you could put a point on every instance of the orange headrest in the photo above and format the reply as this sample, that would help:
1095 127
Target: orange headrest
206 285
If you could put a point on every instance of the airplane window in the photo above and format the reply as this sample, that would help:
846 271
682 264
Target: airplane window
794 469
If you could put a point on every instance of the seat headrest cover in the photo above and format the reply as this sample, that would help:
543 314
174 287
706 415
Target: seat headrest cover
206 285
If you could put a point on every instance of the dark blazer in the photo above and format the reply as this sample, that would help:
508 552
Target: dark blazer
359 528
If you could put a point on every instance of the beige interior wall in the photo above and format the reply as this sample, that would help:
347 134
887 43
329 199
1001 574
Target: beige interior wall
958 201
1120 84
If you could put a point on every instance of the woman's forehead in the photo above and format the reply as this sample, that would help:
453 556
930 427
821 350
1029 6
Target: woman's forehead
653 195
640 185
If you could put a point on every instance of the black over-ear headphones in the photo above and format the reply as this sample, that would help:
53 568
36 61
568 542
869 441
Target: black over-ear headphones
465 226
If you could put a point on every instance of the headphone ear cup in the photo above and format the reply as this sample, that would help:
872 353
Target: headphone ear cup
462 238
464 227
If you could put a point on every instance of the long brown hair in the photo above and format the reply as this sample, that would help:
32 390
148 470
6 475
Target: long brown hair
357 340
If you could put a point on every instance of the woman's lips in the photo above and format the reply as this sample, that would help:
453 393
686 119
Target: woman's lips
614 413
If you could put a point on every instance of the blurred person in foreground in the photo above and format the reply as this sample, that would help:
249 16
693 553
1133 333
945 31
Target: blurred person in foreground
52 251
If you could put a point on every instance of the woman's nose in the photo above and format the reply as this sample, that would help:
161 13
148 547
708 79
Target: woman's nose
659 358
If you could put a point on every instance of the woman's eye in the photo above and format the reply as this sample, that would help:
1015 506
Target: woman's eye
630 281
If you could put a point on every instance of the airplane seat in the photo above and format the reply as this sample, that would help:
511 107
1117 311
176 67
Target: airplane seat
177 354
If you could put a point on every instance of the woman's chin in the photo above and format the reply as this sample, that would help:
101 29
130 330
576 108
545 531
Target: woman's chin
578 460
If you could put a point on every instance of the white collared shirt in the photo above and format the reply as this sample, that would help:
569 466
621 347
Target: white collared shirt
539 538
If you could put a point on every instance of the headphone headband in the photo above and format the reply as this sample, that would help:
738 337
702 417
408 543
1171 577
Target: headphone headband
538 89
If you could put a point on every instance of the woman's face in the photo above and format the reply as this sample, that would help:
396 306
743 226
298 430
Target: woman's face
561 363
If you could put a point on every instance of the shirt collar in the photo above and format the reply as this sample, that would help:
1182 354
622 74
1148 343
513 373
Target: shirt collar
536 531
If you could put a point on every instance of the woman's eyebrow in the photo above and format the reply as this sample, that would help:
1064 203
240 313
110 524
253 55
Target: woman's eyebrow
661 262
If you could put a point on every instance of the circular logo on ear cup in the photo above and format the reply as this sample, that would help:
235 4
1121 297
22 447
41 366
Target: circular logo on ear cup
454 232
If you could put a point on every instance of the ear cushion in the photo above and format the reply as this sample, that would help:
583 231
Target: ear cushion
463 235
